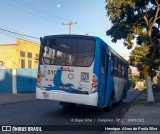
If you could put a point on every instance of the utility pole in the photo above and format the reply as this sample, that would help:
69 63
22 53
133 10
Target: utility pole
70 26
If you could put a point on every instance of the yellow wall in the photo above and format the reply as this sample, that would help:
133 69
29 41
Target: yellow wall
10 54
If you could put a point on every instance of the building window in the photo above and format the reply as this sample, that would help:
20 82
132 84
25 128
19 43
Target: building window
37 56
29 63
29 55
22 63
22 54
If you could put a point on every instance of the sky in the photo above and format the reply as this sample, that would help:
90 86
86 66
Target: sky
38 18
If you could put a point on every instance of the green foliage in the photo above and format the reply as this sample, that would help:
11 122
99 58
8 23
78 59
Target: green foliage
132 83
133 79
136 20
127 20
139 54
127 17
152 73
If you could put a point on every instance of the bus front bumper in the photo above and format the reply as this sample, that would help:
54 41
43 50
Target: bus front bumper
62 96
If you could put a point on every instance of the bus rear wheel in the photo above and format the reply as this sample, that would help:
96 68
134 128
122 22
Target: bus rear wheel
110 103
109 107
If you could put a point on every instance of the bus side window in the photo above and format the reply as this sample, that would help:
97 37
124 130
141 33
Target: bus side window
119 69
102 61
125 71
112 65
122 70
115 66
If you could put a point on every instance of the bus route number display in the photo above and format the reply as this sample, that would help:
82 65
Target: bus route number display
84 77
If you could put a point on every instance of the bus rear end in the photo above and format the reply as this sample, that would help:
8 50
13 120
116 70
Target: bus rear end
65 71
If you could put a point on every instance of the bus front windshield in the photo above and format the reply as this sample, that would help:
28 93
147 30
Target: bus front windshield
68 51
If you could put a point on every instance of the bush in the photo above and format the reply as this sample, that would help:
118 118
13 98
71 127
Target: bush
131 81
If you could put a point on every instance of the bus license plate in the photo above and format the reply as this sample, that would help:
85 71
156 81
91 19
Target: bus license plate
84 77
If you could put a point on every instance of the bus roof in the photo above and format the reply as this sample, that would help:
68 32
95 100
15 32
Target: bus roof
72 36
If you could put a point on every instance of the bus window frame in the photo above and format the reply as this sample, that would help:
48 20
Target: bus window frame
42 52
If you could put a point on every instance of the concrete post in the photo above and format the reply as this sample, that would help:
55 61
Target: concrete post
150 97
14 82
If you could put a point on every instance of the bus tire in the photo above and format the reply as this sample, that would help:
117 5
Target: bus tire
110 103
109 107
120 102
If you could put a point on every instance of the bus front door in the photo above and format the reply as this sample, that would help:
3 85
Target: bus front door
104 72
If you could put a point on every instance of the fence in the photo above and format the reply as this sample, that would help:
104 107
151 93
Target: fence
17 80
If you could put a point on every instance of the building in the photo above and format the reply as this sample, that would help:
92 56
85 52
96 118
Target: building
23 54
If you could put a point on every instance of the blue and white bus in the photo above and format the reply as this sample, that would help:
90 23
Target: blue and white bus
78 69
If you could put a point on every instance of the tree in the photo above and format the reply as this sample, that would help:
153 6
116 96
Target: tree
139 58
136 20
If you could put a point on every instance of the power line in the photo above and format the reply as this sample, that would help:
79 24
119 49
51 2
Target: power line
14 35
10 29
18 33
46 13
4 38
30 13
42 14
38 10
9 35
43 11
84 29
